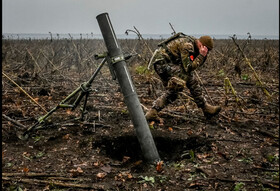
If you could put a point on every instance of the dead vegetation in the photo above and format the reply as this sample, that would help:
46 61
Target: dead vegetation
238 150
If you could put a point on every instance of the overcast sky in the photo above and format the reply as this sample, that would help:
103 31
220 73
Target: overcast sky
259 17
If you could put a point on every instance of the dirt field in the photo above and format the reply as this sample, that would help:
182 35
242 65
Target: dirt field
237 150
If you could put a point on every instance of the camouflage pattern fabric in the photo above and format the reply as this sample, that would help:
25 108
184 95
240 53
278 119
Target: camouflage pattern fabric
175 68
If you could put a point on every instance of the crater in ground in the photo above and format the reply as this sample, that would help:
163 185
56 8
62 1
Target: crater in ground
170 148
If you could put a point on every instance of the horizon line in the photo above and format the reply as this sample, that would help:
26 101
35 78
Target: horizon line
124 35
135 34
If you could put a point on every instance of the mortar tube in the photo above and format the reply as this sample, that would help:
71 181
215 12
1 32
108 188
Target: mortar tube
131 100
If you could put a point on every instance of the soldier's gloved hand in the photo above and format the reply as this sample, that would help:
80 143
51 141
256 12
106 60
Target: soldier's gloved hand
203 50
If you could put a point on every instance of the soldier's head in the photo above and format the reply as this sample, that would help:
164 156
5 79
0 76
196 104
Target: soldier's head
207 41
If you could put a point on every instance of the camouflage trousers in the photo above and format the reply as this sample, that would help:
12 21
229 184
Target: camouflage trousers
174 81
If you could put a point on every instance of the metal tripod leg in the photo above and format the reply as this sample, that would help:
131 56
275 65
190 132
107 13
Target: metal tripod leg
84 106
84 90
42 118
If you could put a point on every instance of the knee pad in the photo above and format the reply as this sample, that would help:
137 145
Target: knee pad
176 84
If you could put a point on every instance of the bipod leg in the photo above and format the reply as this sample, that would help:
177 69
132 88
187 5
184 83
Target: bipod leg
41 119
84 90
84 106
25 136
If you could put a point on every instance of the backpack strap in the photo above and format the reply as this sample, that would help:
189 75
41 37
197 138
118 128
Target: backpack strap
165 42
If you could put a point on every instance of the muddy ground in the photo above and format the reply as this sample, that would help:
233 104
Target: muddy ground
237 150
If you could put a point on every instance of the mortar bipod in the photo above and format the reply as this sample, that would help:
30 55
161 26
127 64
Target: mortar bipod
83 90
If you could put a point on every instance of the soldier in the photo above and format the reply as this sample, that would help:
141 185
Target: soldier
174 62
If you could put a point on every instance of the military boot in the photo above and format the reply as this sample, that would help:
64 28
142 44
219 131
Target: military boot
210 110
152 115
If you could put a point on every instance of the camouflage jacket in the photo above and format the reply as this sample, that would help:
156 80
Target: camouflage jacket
182 51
